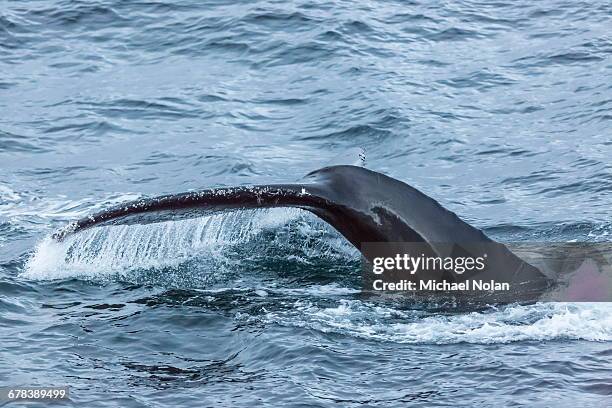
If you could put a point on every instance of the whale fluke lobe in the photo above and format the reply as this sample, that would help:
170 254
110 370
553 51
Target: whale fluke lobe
363 205
193 204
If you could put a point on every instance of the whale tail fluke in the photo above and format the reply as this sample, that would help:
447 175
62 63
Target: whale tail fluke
363 205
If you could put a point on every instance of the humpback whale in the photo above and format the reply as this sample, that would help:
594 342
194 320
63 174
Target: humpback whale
363 205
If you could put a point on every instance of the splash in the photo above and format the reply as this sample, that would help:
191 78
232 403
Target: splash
120 250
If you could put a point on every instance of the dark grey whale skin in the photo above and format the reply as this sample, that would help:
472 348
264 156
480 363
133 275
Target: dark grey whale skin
363 205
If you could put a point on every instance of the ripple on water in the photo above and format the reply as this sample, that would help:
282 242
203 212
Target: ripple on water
500 111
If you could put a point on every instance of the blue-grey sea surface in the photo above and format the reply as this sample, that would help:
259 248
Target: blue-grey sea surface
500 110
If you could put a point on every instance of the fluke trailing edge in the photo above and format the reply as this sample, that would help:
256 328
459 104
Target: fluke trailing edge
363 205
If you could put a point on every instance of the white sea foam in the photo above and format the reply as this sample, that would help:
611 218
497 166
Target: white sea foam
542 322
8 195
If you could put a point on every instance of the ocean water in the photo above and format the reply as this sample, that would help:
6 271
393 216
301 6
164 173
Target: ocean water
502 111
